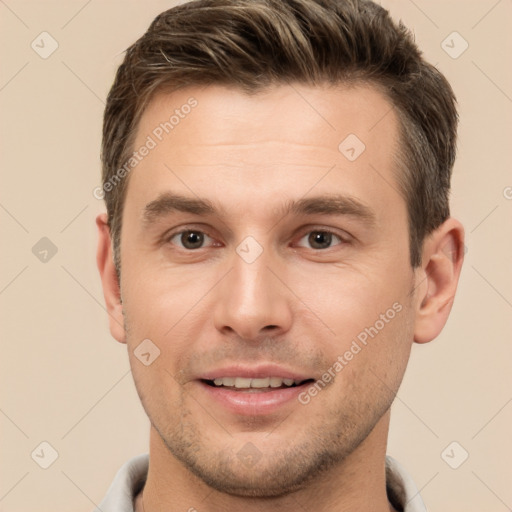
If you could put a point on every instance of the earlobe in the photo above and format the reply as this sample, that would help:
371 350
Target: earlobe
109 281
443 254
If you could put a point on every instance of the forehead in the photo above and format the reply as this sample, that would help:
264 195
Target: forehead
218 141
329 109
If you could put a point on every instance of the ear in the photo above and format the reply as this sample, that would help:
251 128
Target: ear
442 257
109 281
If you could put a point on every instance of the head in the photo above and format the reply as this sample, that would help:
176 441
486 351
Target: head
245 237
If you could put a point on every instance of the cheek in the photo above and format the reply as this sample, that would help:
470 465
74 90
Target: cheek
372 321
164 320
352 299
374 362
155 360
161 301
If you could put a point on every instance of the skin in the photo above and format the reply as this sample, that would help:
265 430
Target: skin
298 304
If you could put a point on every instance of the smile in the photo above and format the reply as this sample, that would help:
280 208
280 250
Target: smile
260 383
262 396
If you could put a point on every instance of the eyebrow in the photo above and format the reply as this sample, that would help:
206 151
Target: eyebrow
168 203
332 204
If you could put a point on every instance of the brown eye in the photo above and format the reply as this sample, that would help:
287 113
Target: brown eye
320 239
190 239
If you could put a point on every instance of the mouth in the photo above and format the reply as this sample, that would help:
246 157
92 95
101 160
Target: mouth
255 385
254 395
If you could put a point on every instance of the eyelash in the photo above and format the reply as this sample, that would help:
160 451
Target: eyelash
341 239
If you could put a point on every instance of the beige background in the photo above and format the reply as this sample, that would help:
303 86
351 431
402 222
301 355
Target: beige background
65 381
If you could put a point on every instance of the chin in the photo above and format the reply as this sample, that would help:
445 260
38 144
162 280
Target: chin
250 487
286 473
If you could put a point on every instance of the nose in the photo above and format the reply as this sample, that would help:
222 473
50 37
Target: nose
251 302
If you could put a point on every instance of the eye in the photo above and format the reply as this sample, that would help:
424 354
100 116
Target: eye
320 239
190 239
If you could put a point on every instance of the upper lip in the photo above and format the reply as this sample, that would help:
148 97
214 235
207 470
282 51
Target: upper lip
254 372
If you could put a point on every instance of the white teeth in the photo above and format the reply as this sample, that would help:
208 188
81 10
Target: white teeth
260 383
275 382
240 382
246 383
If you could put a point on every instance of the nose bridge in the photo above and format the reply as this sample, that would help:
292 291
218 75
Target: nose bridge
251 299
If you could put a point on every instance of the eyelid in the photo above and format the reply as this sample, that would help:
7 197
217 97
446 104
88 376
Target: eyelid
340 233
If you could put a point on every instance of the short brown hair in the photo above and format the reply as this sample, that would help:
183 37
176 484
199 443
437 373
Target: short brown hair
254 44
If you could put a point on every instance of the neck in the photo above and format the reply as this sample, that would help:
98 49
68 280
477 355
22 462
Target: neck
357 483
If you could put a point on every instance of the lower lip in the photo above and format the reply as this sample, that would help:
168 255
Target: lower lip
252 403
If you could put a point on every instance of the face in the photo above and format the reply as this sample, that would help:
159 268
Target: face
269 266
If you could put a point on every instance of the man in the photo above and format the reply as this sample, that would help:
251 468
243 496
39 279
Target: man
276 175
